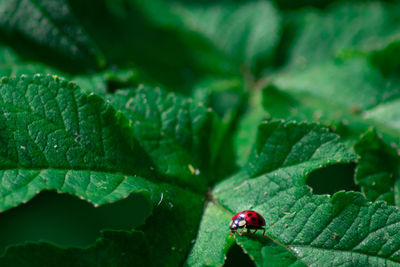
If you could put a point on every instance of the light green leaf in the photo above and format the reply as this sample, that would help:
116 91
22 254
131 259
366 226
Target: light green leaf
276 256
247 33
246 133
212 242
50 27
321 35
377 169
330 93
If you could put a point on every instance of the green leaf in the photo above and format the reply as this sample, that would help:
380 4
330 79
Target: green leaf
48 27
322 35
276 256
212 243
273 167
227 99
172 228
246 133
102 253
57 138
316 228
172 130
330 93
108 81
377 169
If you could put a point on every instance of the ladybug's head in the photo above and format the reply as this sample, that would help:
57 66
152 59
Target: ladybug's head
234 224
237 223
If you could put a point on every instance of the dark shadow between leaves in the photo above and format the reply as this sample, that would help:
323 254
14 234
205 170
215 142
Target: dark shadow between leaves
332 179
68 221
236 257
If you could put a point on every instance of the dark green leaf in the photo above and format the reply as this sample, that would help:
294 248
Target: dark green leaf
172 130
55 137
131 247
50 27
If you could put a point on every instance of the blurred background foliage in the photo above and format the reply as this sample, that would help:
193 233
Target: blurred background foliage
336 62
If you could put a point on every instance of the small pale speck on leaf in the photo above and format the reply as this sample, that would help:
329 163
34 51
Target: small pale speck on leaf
191 169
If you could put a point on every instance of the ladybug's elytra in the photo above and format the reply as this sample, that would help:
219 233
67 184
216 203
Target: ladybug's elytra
247 219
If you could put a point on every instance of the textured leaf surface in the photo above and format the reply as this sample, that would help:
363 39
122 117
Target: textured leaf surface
56 137
377 169
343 229
172 130
330 93
49 25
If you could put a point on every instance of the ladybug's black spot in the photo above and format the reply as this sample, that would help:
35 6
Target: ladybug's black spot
253 219
250 214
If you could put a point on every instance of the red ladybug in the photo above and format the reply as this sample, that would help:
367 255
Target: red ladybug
247 219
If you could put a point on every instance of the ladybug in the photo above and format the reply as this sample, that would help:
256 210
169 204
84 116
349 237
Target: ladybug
247 219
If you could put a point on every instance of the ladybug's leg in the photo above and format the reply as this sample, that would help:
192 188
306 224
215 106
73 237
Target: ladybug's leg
248 231
232 232
263 231
240 233
255 231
